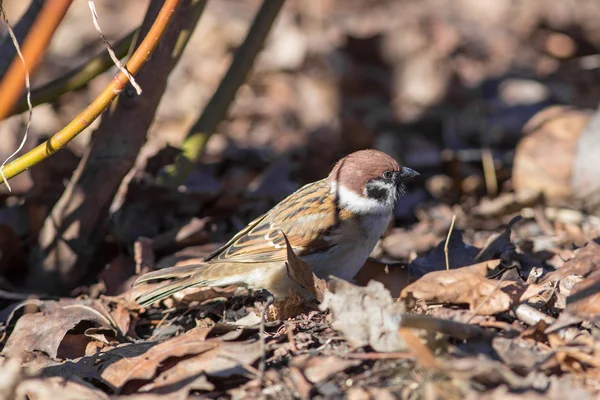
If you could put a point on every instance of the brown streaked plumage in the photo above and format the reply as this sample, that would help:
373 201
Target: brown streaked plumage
332 224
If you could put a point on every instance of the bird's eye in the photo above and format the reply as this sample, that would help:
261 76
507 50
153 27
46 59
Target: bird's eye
388 175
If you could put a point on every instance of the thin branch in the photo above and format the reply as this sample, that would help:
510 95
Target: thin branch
34 47
217 107
77 77
7 49
86 117
446 251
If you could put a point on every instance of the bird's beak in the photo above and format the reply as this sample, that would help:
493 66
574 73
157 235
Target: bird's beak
407 174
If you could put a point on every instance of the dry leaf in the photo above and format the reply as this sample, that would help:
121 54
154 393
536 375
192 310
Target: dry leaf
365 315
49 329
584 301
318 369
300 272
469 285
58 388
586 260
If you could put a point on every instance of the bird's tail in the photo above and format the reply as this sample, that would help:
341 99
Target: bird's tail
184 277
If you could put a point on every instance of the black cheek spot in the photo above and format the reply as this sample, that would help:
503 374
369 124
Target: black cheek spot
377 193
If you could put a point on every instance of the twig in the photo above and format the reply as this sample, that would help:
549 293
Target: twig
422 353
531 316
20 30
28 95
290 335
87 116
216 109
263 343
489 171
379 356
77 77
448 241
110 50
455 329
36 42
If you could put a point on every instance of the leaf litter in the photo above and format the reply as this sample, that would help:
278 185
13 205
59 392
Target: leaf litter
516 314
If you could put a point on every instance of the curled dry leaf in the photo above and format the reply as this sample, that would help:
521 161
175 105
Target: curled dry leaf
365 315
56 324
300 272
584 301
469 285
142 362
586 261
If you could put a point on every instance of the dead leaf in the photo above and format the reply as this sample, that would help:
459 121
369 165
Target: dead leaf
300 272
365 315
460 254
585 298
498 243
318 369
468 285
58 388
586 260
46 330
175 361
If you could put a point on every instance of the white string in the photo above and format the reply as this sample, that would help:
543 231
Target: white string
111 52
28 96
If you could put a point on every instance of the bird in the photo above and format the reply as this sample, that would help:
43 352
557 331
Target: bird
332 225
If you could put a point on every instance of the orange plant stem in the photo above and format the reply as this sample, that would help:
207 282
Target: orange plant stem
87 116
33 49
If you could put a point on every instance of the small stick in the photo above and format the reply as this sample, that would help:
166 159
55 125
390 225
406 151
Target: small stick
489 171
447 241
263 342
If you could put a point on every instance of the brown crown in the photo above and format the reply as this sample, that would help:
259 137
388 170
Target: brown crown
356 169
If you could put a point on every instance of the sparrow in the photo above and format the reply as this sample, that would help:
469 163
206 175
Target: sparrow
332 225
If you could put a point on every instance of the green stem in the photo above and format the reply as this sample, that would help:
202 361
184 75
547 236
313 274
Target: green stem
76 78
216 109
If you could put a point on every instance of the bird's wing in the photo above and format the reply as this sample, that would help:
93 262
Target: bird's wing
307 217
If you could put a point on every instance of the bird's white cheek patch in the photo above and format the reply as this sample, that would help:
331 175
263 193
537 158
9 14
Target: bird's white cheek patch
359 204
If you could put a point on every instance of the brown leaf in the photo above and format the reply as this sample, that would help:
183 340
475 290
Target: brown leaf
469 285
585 298
58 388
45 330
318 369
586 260
365 315
224 360
300 272
176 361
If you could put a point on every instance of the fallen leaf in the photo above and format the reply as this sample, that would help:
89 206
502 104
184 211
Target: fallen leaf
318 369
584 300
46 330
300 272
469 285
460 254
58 388
365 315
586 260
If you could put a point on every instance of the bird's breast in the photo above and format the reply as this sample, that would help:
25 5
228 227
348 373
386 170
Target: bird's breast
354 241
